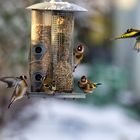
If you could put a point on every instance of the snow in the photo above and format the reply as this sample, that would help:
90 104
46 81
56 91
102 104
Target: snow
65 120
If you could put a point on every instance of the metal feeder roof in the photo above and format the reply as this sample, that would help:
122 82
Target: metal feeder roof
57 5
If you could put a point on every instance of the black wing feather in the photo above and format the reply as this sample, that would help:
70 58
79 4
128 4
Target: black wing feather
10 81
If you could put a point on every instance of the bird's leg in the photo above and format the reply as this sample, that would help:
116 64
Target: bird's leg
75 68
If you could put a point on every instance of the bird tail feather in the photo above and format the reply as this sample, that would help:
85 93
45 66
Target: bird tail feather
11 102
99 84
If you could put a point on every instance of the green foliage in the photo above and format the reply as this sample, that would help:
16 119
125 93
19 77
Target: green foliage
114 80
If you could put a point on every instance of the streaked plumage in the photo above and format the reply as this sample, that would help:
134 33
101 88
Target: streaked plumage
48 85
20 89
78 55
130 33
86 85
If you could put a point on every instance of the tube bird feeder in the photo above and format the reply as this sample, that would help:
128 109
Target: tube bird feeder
51 49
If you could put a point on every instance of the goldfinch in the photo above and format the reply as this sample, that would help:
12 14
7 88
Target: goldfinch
20 85
48 85
86 85
78 55
130 33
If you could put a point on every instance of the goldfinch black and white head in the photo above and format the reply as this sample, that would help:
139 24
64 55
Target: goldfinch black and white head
84 80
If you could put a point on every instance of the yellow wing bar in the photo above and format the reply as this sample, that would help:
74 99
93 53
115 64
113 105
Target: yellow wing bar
129 34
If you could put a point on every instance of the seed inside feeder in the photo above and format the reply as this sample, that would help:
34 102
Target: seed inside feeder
52 44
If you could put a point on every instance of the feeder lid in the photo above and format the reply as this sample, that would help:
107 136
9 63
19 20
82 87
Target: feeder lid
57 5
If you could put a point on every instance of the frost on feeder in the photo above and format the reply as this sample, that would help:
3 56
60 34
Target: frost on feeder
51 51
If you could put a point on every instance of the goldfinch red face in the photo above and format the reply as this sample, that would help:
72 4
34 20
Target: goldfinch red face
80 48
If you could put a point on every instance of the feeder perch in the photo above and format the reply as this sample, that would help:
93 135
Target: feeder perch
51 49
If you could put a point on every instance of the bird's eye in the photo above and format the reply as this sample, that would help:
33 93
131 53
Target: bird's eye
79 48
21 77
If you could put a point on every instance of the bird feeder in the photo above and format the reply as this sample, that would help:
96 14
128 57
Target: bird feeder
51 49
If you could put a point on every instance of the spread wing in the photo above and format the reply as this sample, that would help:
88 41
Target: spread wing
130 33
10 81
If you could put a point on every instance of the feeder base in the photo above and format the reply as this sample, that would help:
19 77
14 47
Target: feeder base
57 95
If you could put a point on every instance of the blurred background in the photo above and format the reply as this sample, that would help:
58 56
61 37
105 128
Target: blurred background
112 112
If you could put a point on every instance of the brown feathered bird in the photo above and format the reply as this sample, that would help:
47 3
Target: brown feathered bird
78 55
20 85
48 85
86 85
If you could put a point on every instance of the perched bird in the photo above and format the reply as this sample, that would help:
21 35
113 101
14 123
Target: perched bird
20 85
48 85
130 33
78 55
86 85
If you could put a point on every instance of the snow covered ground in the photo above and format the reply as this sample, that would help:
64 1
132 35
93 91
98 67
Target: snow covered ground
64 120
